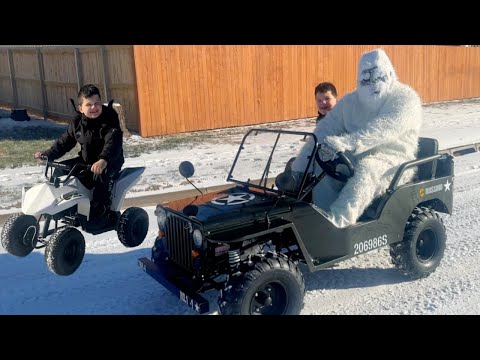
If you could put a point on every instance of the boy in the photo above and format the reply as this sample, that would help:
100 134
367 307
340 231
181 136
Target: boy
97 129
325 98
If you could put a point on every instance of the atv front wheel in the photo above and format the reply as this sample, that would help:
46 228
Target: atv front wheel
423 245
132 227
275 286
20 234
65 251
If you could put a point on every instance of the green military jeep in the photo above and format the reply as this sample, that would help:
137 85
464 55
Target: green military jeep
247 241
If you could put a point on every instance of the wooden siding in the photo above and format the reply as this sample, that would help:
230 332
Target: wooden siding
196 87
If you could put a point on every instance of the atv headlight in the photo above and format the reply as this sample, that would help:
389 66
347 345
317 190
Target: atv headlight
197 238
161 217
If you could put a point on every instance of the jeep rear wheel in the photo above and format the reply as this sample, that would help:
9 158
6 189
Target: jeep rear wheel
20 234
275 286
65 251
423 245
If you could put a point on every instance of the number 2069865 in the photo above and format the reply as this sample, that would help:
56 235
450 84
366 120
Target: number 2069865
370 244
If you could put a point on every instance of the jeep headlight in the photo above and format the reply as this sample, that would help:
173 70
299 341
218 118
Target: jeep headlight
161 217
197 238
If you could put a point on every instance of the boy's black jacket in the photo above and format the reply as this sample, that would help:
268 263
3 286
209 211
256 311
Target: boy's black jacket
100 138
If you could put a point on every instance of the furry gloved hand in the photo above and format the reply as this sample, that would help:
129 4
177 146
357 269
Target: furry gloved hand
327 153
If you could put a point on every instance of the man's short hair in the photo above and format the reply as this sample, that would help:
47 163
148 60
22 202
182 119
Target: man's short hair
324 87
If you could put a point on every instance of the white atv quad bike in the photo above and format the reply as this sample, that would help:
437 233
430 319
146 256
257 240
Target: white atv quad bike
66 201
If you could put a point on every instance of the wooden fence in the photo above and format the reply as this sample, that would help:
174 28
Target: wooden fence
168 89
43 79
196 87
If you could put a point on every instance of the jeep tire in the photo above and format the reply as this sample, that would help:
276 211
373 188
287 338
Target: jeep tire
65 251
20 234
274 286
423 245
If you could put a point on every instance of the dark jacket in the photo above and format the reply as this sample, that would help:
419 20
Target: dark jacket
319 117
100 138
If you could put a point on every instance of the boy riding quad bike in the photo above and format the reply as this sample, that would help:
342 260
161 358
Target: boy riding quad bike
247 241
66 201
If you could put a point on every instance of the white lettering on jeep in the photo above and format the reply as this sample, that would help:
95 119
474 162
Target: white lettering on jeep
370 244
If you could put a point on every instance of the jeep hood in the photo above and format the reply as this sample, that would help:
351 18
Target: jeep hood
236 205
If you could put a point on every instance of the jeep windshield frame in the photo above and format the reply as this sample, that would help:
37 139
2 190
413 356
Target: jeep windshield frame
263 181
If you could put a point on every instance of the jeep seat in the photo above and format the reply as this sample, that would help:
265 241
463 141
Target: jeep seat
427 147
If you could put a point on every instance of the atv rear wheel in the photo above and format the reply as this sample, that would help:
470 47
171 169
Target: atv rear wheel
20 234
133 227
423 245
275 286
65 251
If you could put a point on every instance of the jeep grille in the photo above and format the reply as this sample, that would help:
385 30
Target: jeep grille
179 240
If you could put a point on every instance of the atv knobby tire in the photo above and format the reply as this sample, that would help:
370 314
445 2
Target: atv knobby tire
65 251
132 227
13 236
274 286
423 245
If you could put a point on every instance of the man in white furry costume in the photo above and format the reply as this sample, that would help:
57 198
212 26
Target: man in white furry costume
377 126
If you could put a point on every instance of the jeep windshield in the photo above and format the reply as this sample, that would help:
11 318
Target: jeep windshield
264 154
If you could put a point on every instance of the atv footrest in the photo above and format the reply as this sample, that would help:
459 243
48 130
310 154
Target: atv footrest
195 301
70 220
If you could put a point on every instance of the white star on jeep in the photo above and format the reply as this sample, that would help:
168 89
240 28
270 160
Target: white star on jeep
234 199
447 185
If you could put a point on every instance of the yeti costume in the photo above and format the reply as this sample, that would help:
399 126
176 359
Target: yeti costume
377 126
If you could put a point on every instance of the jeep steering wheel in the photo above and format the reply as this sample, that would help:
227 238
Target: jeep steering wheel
330 167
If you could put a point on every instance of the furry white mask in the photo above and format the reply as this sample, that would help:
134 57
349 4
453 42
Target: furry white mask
375 78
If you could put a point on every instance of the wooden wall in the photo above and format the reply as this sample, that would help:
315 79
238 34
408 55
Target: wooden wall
196 87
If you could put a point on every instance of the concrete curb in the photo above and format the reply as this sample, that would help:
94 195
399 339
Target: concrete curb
461 150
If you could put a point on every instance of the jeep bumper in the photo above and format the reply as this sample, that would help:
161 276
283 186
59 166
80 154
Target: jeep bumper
156 271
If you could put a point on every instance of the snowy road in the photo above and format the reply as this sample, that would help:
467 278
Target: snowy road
110 282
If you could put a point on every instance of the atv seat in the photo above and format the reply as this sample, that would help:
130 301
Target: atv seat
125 180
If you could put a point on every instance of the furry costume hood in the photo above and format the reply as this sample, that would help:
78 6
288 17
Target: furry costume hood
376 77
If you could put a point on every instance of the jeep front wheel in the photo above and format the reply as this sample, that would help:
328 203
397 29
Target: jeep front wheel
274 286
423 245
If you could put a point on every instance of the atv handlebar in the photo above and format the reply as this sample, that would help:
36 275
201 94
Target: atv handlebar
59 165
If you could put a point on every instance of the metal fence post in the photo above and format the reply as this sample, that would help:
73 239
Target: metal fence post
13 83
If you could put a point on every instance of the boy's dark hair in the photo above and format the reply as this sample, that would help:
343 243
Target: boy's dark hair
87 91
324 87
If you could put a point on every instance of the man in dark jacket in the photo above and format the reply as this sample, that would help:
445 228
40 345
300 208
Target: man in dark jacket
97 129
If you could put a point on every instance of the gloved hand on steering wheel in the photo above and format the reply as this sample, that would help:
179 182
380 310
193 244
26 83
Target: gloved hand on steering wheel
327 153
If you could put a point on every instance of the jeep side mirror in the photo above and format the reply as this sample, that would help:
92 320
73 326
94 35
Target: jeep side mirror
186 169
